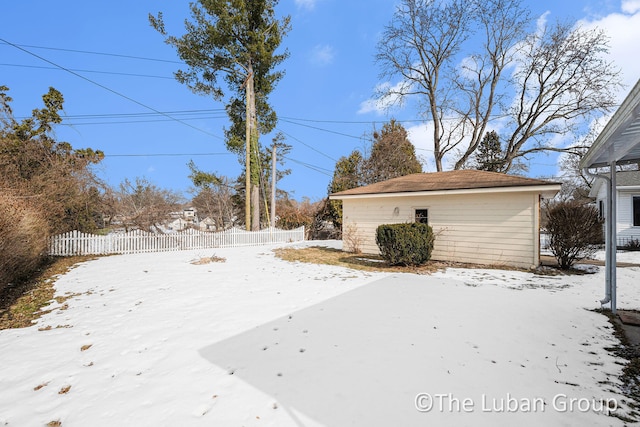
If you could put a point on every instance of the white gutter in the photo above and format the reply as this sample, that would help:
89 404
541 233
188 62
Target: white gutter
613 235
610 254
546 190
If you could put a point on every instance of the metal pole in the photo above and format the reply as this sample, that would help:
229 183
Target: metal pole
614 238
607 236
607 244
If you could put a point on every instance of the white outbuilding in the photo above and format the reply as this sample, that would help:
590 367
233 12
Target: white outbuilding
478 217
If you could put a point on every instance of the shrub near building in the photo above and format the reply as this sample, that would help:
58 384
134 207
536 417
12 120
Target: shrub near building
575 231
405 244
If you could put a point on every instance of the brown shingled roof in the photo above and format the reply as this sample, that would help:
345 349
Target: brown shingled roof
438 181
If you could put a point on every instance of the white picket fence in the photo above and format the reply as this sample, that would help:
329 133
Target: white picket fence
137 241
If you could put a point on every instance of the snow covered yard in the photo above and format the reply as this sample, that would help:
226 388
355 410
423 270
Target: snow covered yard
155 340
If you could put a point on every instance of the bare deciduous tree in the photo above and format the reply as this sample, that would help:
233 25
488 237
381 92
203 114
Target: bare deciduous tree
453 56
144 205
214 198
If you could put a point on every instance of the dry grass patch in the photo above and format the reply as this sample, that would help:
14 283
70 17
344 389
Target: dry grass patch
39 386
208 260
366 262
22 303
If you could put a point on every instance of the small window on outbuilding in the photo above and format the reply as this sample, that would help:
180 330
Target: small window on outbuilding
422 216
636 211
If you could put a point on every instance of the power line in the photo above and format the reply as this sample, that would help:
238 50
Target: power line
310 166
321 129
174 112
356 122
109 89
307 145
204 114
217 110
167 154
93 53
136 121
88 71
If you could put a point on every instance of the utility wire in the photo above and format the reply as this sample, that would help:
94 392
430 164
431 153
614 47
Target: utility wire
167 154
88 71
310 166
306 145
92 52
137 121
355 122
321 129
175 112
109 89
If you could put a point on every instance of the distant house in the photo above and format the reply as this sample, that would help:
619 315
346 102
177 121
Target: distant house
178 224
190 215
627 204
207 224
187 218
479 217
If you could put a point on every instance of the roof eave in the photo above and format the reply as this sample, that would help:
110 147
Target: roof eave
546 190
603 151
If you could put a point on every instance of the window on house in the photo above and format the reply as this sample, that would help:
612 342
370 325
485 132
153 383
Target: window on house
601 209
422 216
636 211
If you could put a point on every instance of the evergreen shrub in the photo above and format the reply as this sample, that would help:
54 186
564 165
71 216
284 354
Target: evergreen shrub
405 244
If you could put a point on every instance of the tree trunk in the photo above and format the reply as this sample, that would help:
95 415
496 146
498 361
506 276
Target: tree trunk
255 202
253 190
248 125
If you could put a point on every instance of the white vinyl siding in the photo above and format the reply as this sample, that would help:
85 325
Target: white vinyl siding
624 211
625 227
489 228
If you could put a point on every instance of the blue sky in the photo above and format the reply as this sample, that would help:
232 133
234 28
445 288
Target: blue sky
112 101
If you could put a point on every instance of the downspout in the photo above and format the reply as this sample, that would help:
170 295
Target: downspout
613 236
607 241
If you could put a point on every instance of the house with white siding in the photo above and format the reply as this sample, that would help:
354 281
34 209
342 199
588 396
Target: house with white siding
478 217
627 204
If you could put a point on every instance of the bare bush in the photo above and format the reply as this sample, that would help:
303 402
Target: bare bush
351 238
23 239
293 214
575 231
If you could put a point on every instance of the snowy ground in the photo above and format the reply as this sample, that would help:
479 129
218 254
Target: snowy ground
154 340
